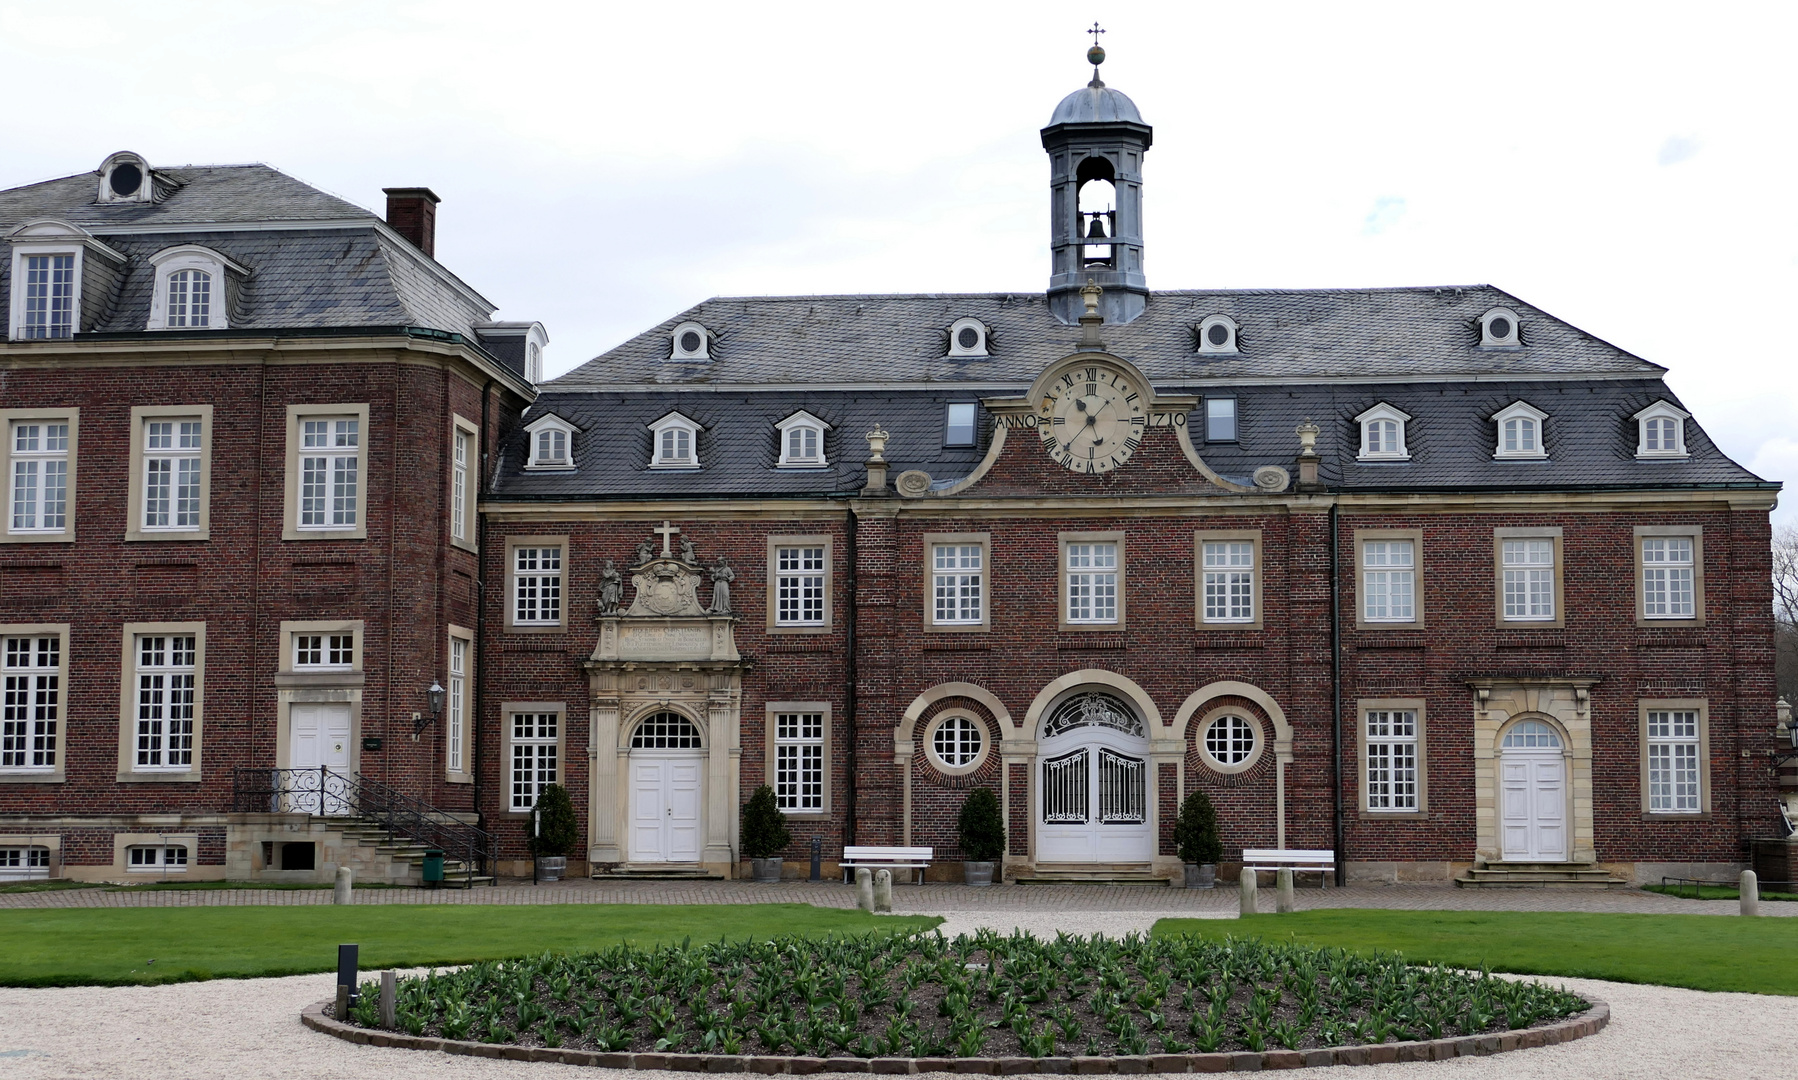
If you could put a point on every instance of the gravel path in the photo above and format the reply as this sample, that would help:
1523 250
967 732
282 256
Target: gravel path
249 1029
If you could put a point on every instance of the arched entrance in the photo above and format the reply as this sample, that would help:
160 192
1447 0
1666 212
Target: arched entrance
667 771
1532 771
1093 782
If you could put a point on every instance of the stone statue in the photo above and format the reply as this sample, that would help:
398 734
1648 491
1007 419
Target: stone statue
646 551
686 552
722 576
611 589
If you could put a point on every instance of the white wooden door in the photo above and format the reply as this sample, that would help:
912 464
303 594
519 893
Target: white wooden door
319 735
666 807
1533 806
1092 798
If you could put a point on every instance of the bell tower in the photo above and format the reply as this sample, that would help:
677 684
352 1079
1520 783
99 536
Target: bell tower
1096 140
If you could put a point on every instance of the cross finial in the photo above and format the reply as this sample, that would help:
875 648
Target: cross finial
668 532
1095 55
1095 32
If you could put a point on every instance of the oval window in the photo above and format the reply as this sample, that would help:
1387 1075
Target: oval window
1500 328
968 337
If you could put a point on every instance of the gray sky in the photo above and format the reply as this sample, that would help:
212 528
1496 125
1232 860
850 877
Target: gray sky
1626 166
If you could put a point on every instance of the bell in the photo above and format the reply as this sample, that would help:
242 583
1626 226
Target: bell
1096 228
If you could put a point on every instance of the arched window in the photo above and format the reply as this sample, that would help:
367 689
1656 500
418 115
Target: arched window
1532 734
802 441
1520 432
1092 709
1098 217
666 731
1383 434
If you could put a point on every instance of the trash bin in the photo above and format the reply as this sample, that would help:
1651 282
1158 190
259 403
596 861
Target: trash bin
433 868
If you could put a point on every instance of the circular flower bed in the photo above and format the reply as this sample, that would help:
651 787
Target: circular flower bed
980 996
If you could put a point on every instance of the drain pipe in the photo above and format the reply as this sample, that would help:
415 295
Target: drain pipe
851 617
1336 694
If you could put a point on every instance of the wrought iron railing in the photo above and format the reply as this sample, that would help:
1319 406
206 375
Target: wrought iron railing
324 792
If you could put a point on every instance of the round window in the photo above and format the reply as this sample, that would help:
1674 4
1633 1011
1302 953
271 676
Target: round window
1218 334
957 742
1230 740
1499 328
126 179
968 337
689 342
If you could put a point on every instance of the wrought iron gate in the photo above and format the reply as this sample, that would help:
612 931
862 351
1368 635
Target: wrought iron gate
1065 789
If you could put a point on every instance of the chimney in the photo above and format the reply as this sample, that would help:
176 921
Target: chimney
412 212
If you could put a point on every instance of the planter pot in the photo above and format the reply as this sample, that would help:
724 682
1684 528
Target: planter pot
766 869
1201 875
551 867
978 873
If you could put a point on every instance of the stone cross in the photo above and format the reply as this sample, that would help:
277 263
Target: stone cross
668 533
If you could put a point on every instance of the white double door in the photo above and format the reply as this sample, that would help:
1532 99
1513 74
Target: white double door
1533 805
318 735
1092 798
667 802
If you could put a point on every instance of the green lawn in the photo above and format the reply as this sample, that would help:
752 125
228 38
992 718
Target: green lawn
1713 892
1701 952
85 947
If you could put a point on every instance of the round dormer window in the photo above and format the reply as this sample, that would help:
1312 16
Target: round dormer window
126 179
1218 334
1500 328
690 341
968 338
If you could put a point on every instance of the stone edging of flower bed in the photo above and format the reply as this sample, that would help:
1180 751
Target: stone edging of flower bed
1589 1022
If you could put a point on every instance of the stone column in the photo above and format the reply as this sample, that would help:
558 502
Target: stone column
602 770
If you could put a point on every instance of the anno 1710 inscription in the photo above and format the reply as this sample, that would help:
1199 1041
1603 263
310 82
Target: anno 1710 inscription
640 641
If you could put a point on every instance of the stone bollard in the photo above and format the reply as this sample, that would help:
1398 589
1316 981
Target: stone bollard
340 1009
1247 880
1283 895
883 890
1751 893
864 888
390 992
342 893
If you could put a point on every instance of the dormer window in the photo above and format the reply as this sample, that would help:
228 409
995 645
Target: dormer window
1520 432
1383 434
551 444
690 341
967 337
125 177
802 441
674 442
1499 329
190 289
1217 335
50 261
1661 431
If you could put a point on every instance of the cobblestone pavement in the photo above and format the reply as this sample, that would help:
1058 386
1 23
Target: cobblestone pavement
933 898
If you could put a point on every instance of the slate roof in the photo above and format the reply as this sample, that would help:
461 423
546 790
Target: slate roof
203 195
1283 334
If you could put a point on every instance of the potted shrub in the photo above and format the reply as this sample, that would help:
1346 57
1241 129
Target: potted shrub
557 833
1195 838
764 834
982 830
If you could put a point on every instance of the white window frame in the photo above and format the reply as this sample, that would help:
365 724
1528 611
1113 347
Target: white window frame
1201 736
799 573
137 525
332 528
1517 413
528 748
324 629
1228 347
1656 734
165 675
465 486
1092 580
11 420
1661 411
799 759
1649 573
1514 572
158 858
1383 414
190 257
34 703
29 860
956 348
957 589
801 424
674 423
1490 340
458 699
1399 755
1382 566
1669 577
324 650
956 720
526 584
1217 579
544 436
676 352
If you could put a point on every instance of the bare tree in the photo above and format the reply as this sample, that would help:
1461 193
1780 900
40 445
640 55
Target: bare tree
1785 610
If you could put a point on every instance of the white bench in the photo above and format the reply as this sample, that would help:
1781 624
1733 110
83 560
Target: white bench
1297 860
887 858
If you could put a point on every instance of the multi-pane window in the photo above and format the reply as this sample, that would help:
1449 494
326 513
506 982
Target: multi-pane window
802 444
1382 437
1229 580
40 476
1661 435
455 727
171 858
459 454
1391 759
537 586
330 467
172 457
674 446
337 651
799 761
535 750
1667 568
1529 580
552 447
1092 583
1388 581
1229 740
49 297
1673 786
24 862
799 586
189 298
958 428
165 702
957 580
1519 436
30 702
956 742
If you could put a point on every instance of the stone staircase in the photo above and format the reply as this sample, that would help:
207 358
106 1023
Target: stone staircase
1118 873
654 872
1521 875
406 856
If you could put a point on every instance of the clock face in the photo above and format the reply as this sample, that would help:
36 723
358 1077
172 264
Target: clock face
1091 418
